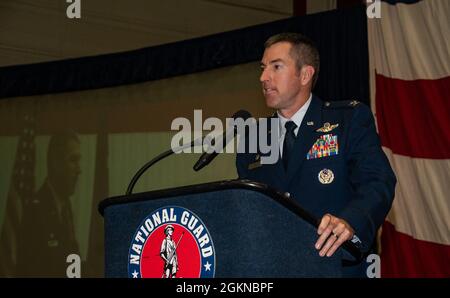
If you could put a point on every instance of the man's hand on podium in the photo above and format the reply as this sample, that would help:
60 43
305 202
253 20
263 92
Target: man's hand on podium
333 231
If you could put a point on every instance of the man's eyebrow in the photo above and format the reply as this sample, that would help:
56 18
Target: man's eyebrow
272 62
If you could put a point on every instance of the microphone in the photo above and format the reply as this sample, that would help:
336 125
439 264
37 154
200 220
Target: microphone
206 157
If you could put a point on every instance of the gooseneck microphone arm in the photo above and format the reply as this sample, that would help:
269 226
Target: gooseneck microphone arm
161 156
207 157
204 159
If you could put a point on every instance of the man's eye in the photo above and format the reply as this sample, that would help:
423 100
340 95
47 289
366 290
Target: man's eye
277 66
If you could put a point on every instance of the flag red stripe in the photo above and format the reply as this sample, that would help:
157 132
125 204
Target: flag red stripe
413 116
404 256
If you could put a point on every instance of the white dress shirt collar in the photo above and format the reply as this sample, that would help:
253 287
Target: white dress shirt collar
297 117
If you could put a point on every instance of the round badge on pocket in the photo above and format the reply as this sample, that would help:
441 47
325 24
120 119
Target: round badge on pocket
326 176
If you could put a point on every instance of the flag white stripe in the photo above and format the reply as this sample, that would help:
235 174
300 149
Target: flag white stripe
421 206
411 41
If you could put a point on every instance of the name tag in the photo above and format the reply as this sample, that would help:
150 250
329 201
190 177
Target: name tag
52 243
254 165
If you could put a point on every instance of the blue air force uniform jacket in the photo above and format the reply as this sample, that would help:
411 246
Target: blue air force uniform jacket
337 167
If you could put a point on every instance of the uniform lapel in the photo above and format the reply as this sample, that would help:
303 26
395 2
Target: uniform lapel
306 136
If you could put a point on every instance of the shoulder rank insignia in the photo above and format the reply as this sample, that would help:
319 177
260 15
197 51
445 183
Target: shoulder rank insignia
341 104
354 103
327 127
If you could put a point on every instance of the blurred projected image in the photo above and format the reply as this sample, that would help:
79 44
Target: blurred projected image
47 232
45 216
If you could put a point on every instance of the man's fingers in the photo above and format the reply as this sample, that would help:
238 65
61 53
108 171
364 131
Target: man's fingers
340 240
323 237
331 240
324 223
333 233
339 228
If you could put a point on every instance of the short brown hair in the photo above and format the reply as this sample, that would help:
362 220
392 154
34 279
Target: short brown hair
303 50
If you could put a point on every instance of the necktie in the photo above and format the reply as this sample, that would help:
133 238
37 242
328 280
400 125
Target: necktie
289 139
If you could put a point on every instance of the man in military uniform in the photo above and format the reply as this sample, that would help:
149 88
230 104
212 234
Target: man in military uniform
47 234
331 158
169 254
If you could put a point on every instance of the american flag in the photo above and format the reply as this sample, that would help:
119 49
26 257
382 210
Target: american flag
20 194
410 53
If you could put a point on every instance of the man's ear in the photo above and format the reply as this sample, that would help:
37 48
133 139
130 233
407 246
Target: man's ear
306 74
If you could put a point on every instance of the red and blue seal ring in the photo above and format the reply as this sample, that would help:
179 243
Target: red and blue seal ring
171 242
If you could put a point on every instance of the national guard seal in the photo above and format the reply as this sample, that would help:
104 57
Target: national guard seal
171 242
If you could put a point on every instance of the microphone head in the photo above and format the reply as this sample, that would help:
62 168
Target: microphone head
242 114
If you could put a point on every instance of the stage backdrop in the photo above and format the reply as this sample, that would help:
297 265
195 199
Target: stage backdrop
121 107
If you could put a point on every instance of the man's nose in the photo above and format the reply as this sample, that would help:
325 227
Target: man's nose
264 76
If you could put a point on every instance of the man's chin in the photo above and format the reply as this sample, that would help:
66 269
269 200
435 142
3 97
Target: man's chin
71 189
271 102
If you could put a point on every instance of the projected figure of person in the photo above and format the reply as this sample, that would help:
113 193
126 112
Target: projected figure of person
47 232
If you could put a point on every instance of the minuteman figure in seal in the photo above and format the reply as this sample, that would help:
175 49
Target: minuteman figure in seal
168 253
